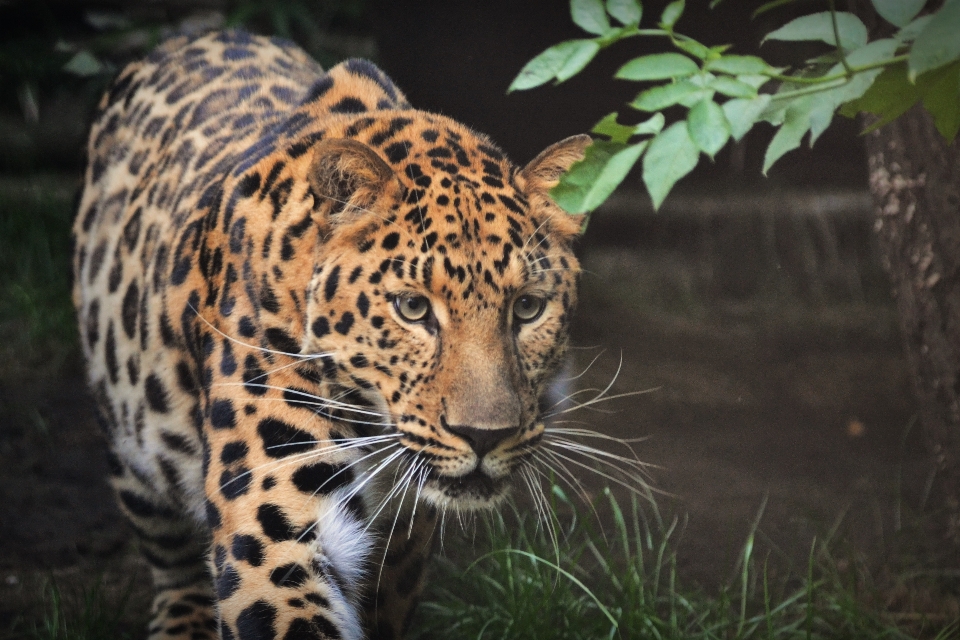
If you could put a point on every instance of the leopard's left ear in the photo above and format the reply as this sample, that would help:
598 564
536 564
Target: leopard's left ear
348 177
543 172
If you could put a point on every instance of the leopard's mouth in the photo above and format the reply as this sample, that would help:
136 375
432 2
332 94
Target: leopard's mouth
474 488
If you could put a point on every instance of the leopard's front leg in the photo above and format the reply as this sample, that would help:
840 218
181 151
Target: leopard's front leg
289 530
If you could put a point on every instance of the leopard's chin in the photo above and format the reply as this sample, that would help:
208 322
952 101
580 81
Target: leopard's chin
474 491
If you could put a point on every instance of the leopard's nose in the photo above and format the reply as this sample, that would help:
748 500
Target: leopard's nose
482 441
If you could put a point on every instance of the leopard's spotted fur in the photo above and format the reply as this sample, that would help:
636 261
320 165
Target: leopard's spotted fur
252 236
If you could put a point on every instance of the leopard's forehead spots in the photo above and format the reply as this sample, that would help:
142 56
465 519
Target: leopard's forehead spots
464 228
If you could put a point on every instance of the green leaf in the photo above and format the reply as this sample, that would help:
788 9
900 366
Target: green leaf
876 51
671 14
718 50
579 58
658 66
671 155
819 26
549 63
692 99
742 113
774 113
616 34
703 81
622 133
609 127
910 32
942 100
666 95
769 6
851 89
796 122
890 95
898 12
591 181
758 81
816 65
708 127
691 46
652 126
820 118
939 42
732 88
590 16
84 64
739 65
828 101
627 12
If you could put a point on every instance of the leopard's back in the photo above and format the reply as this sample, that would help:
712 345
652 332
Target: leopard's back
168 130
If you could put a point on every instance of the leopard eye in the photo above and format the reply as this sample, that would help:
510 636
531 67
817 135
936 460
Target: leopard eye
528 308
412 308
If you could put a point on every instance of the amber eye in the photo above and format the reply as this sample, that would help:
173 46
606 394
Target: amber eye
412 308
528 308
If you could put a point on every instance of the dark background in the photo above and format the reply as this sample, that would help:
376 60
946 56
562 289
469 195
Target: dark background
453 57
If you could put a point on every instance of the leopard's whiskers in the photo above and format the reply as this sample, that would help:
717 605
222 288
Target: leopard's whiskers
370 475
320 400
525 250
395 489
598 399
255 347
296 458
601 396
597 455
318 409
558 456
424 472
544 513
405 483
589 433
561 472
340 501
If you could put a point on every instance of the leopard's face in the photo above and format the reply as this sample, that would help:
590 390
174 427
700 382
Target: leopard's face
444 304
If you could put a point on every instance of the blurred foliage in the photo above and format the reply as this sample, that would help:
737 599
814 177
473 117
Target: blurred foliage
56 59
329 31
37 326
725 95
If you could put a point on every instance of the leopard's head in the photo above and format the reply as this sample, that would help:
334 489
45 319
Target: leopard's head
441 296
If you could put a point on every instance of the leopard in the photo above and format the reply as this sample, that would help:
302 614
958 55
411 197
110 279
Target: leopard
315 320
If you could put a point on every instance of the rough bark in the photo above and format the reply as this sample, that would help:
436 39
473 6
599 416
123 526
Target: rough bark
915 180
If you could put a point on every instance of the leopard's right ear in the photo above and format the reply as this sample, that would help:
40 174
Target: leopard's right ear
347 177
543 173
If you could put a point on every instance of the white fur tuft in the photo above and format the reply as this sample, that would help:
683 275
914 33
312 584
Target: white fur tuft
342 544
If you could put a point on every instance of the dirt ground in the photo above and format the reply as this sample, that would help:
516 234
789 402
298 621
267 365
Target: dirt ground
806 408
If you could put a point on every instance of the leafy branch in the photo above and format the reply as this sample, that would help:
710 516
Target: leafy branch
725 94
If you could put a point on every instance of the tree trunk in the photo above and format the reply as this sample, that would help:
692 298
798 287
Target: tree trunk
915 180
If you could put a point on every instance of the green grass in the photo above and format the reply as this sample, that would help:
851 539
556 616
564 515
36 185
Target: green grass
91 612
624 583
619 580
37 326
